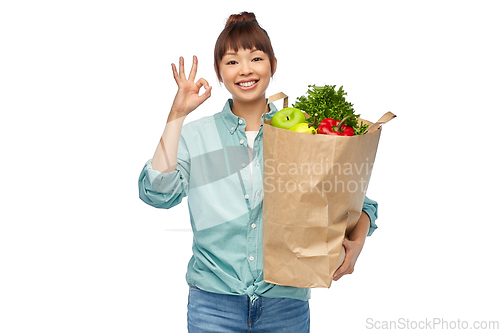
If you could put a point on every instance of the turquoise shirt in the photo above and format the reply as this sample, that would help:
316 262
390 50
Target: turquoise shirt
225 205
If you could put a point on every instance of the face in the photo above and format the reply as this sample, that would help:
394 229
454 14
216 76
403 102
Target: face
246 74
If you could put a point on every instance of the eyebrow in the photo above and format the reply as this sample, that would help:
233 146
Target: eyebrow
234 53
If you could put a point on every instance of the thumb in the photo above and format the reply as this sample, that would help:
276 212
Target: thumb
206 94
203 83
347 244
340 271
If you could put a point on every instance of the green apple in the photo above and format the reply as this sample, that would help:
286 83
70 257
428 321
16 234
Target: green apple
303 128
287 118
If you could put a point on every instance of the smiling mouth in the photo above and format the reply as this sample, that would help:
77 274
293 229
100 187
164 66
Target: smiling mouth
247 84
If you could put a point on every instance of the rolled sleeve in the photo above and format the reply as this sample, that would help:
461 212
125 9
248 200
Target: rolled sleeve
166 190
370 207
161 190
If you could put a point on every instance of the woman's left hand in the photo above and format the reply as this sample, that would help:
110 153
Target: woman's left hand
352 251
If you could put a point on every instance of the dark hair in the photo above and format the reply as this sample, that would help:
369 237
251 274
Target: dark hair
242 31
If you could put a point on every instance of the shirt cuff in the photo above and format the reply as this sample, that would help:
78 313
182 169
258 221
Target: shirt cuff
159 181
370 207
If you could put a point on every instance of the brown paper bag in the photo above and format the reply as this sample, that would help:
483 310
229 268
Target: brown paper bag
314 189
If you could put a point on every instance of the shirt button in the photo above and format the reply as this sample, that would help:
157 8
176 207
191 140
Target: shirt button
257 193
257 165
242 165
242 142
254 225
232 128
240 121
247 196
251 258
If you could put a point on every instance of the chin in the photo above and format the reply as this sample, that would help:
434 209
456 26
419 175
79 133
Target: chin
249 99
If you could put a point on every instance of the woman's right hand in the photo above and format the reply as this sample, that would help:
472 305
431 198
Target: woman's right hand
187 98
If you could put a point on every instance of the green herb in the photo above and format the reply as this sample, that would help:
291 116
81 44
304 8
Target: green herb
329 103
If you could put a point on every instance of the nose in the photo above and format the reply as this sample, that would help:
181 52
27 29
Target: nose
246 68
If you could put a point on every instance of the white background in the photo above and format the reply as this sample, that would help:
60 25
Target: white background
85 89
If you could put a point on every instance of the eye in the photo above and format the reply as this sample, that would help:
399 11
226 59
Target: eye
232 62
257 59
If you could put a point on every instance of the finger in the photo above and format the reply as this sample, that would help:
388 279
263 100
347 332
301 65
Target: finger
347 244
336 277
176 75
208 89
342 268
340 271
206 95
181 68
202 83
194 68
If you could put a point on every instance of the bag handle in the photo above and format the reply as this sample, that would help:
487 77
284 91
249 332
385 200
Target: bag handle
384 119
277 97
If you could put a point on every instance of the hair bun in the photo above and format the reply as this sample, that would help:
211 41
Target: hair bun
241 17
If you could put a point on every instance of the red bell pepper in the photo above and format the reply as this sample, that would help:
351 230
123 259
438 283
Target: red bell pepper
331 126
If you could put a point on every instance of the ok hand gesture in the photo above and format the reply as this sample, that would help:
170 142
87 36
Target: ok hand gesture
187 98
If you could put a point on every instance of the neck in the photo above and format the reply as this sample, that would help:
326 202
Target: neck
251 112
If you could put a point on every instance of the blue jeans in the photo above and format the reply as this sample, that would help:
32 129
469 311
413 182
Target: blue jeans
210 312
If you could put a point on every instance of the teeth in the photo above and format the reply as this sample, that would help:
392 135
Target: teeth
247 84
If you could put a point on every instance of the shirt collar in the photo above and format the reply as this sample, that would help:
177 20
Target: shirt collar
233 122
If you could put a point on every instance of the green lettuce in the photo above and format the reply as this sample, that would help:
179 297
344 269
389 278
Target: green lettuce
329 103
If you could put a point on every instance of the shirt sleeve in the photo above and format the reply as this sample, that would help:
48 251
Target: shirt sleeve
166 190
370 207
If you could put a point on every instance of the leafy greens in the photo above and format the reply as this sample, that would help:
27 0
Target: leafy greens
329 103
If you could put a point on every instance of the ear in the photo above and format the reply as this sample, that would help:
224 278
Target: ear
218 74
275 66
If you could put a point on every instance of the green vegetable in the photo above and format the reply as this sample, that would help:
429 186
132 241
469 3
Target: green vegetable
329 103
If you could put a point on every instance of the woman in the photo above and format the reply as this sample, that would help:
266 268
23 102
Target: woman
216 162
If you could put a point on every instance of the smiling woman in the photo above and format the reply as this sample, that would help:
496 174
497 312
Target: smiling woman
244 61
246 75
216 162
242 32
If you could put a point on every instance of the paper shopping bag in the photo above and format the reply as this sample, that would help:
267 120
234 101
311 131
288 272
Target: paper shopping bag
314 189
